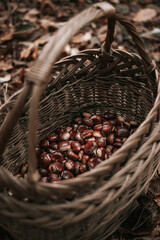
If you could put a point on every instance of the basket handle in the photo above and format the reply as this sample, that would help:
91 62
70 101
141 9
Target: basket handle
148 64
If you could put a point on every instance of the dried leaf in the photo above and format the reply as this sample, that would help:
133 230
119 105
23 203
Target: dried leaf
6 37
48 24
82 37
157 200
30 53
48 4
145 15
5 66
5 79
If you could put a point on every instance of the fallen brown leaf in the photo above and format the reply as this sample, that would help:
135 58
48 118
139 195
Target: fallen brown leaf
82 37
30 53
6 37
5 79
5 66
145 15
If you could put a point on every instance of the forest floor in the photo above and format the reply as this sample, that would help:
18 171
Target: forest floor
26 26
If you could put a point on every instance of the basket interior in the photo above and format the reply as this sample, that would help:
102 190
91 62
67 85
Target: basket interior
86 82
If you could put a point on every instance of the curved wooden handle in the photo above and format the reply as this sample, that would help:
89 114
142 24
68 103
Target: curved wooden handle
146 59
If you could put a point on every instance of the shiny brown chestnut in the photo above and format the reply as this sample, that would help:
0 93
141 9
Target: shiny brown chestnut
64 146
56 167
76 146
90 148
45 159
66 174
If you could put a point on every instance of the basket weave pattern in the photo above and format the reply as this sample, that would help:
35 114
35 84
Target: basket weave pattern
87 207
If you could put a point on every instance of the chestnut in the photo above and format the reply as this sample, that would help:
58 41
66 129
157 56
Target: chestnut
100 152
72 155
90 147
83 168
85 114
87 121
76 146
43 172
97 134
106 130
110 138
64 146
45 159
70 165
66 174
85 158
52 138
78 120
77 168
122 132
53 145
44 179
44 143
101 142
86 133
57 156
64 136
78 137
56 167
96 119
97 127
91 164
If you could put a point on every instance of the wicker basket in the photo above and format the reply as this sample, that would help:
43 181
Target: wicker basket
96 80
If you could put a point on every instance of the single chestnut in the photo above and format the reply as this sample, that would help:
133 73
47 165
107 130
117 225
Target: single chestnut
69 129
90 148
101 141
122 132
56 167
86 133
77 168
85 158
78 137
100 152
85 114
91 164
45 159
87 121
76 146
82 128
97 127
66 174
53 145
52 138
44 143
106 130
64 136
70 165
97 134
110 138
78 120
64 146
80 155
44 179
72 155
83 168
96 119
109 148
57 156
43 172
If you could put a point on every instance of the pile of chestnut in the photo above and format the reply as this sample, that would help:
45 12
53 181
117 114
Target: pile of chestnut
72 150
